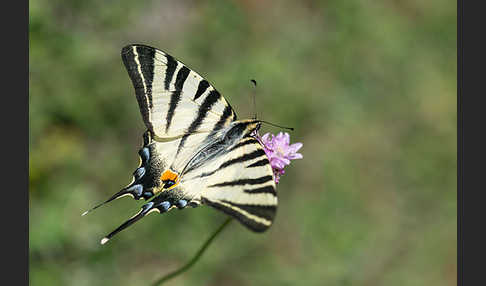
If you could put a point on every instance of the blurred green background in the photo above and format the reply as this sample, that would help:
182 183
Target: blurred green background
370 87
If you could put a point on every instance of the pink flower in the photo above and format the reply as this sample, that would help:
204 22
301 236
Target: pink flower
279 151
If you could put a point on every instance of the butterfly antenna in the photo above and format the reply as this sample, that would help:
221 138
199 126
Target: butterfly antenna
254 108
279 126
254 97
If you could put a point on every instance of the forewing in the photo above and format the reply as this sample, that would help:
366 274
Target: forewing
173 99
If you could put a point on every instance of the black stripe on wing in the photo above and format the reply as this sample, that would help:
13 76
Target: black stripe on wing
169 72
176 94
248 141
222 119
140 68
253 181
203 85
265 189
146 58
241 159
256 217
259 163
209 101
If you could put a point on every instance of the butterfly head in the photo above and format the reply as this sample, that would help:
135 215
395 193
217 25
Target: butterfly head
245 127
253 125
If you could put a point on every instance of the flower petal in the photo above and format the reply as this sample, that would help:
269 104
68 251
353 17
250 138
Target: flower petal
296 156
279 151
277 162
295 147
285 160
265 137
280 138
286 138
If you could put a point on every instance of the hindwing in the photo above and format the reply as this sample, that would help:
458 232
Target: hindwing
239 183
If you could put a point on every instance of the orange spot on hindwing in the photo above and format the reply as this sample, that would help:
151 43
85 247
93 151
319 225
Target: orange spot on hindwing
169 179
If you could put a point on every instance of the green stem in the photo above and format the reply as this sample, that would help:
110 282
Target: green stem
195 258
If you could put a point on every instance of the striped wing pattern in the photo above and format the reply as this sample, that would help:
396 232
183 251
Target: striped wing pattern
173 99
239 183
193 132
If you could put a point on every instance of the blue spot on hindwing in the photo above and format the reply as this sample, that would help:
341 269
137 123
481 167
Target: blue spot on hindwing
147 195
181 204
165 205
139 173
136 190
147 206
144 154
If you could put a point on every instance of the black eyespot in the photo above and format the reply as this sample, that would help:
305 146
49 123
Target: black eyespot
168 184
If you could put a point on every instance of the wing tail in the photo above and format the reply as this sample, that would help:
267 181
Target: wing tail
143 212
133 190
161 204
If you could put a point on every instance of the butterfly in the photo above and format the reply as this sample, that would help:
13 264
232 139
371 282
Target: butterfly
195 151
